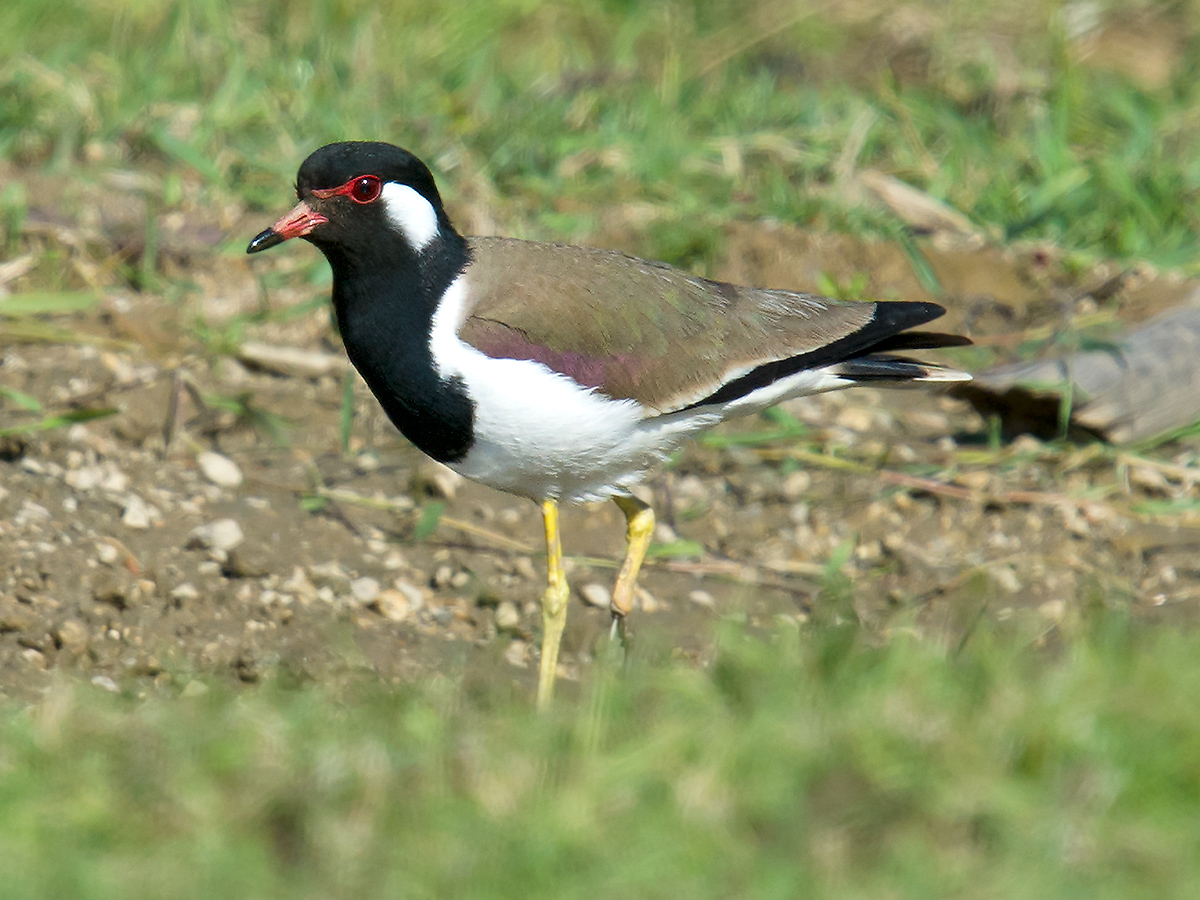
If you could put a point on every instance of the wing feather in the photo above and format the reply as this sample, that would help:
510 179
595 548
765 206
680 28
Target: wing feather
641 330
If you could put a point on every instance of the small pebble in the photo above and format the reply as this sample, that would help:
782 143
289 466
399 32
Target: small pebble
298 584
184 592
1006 579
84 478
517 654
702 598
137 513
220 470
796 485
523 566
71 634
391 604
1054 610
412 593
35 658
295 361
1148 479
103 681
364 590
508 617
221 535
595 594
646 601
30 512
435 480
977 480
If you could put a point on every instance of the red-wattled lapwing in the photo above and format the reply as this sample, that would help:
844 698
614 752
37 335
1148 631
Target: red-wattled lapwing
561 373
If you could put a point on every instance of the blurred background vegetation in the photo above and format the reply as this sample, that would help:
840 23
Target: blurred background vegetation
822 764
1073 123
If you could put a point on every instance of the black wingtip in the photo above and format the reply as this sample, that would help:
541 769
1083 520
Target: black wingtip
899 315
921 340
265 240
884 332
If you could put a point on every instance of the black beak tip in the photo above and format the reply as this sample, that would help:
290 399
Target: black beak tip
265 240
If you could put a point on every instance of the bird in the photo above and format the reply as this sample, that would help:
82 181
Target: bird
560 373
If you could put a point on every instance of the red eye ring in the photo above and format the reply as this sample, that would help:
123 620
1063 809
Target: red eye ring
365 189
361 189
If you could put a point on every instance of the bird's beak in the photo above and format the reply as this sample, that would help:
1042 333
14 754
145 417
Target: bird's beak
299 222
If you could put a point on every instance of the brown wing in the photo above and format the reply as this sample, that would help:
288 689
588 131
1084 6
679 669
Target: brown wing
646 331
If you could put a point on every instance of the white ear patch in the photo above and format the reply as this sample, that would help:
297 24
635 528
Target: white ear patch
410 214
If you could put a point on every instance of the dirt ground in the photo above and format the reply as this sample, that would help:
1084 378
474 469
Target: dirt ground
236 553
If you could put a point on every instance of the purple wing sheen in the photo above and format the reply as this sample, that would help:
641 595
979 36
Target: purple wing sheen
593 371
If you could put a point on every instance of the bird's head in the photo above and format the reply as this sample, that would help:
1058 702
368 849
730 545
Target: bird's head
361 197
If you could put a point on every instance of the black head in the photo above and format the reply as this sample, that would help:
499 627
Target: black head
362 199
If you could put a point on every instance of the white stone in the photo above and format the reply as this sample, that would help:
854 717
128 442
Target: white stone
646 601
596 594
517 654
391 604
84 478
185 591
103 681
114 481
414 595
220 470
290 360
364 589
34 657
298 584
138 513
221 535
437 480
508 617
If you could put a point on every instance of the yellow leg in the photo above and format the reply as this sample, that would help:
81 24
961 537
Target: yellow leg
639 520
554 605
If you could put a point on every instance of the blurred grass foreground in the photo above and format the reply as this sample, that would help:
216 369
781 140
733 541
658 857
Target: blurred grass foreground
808 766
811 762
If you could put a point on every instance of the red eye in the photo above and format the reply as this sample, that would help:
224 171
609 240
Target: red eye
365 189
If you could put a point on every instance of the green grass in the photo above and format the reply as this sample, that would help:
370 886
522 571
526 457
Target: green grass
805 764
697 112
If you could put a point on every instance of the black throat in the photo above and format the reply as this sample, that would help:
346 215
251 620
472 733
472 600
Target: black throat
385 304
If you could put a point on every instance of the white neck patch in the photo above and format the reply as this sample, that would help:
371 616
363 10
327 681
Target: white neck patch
410 214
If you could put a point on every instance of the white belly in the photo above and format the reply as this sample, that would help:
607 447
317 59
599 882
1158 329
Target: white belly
539 434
